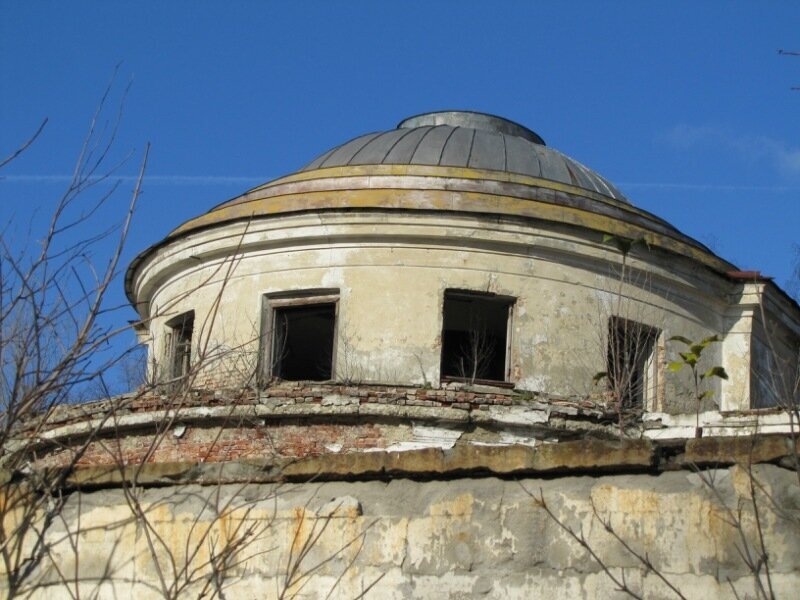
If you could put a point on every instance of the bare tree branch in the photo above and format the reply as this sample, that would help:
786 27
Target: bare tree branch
24 146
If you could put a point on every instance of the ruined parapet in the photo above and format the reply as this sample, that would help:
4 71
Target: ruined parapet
469 518
303 420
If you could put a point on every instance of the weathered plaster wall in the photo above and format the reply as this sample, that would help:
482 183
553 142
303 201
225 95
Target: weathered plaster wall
459 538
391 271
324 490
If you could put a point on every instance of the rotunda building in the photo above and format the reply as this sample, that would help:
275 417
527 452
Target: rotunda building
422 366
457 249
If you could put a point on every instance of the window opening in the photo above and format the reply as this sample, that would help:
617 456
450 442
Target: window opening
303 342
631 361
765 392
299 337
179 344
775 365
475 336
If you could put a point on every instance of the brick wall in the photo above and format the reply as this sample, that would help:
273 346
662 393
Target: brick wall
293 420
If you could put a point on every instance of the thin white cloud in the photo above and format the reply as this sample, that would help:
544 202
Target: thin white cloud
706 186
152 179
252 181
750 148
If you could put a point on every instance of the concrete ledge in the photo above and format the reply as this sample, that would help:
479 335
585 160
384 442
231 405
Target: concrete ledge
739 450
498 460
577 457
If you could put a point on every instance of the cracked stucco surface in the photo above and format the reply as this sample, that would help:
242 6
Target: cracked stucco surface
461 538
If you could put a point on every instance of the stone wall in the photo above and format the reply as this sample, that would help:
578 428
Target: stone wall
323 490
446 536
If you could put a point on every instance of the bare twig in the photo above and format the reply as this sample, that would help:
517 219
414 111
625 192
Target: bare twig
580 538
24 146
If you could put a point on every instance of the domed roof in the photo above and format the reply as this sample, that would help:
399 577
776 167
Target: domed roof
452 162
466 139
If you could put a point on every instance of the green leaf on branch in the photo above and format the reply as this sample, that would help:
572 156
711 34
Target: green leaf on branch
675 366
689 358
715 372
598 377
704 395
680 338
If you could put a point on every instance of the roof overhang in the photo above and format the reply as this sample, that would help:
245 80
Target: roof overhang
449 189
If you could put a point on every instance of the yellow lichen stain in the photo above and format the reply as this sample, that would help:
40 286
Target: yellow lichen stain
625 501
301 529
447 200
442 172
633 513
393 536
460 506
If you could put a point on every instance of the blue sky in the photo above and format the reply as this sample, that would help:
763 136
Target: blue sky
686 106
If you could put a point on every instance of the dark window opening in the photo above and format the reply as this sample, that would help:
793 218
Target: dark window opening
302 343
179 344
475 336
774 364
630 361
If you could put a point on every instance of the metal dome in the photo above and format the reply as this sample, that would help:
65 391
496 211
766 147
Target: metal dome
445 163
466 139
